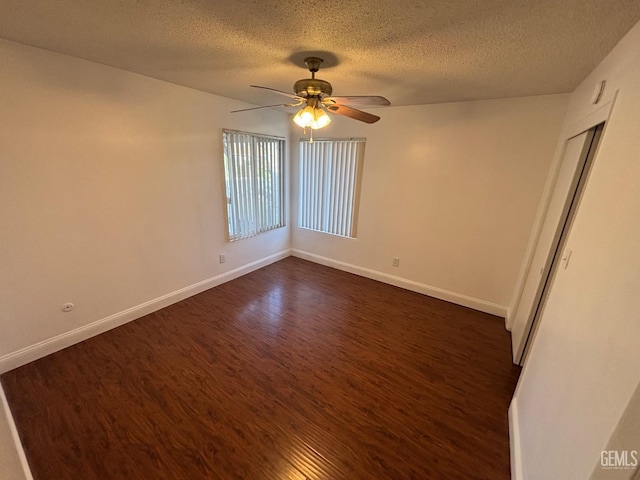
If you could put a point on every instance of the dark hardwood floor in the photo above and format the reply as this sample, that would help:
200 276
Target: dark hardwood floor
293 372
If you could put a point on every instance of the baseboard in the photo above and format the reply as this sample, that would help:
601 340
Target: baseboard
514 442
457 298
15 437
508 319
64 340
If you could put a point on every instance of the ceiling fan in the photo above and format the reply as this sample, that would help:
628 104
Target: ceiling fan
315 95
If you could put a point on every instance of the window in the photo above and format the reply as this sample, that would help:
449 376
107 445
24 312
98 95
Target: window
254 180
330 173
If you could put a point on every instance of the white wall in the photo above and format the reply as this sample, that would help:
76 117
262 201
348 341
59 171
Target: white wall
13 463
451 189
111 195
585 362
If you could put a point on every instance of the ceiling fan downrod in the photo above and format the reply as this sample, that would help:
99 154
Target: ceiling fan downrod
313 64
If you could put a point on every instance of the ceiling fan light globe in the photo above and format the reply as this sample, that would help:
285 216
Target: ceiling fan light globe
304 117
299 121
321 119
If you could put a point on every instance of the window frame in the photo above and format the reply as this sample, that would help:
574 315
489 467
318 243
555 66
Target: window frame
246 215
320 210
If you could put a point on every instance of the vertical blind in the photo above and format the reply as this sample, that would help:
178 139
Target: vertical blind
254 181
330 172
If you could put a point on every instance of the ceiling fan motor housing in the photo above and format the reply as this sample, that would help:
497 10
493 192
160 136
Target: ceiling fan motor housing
312 87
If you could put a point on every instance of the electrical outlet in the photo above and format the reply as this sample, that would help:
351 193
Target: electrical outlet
396 262
223 257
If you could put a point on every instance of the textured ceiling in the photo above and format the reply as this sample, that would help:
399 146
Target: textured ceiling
412 52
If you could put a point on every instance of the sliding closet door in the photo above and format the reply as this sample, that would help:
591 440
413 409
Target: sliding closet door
564 195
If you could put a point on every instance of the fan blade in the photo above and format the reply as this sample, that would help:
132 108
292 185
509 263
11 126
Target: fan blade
290 95
268 106
353 113
357 100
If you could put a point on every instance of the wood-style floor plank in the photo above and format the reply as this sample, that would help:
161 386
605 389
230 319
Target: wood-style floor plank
293 372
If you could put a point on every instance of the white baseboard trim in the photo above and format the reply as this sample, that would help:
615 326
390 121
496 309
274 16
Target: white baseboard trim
457 298
64 340
514 442
15 437
508 319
